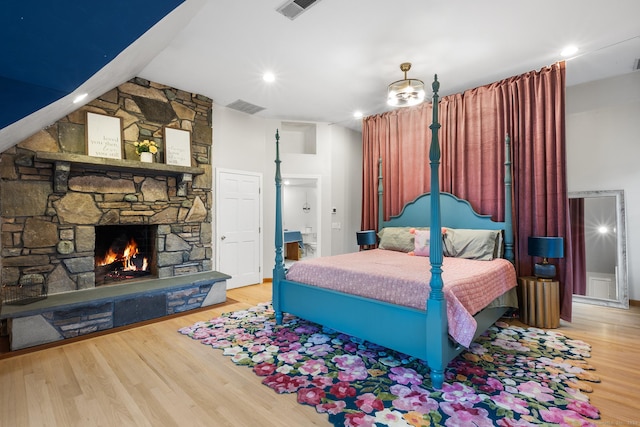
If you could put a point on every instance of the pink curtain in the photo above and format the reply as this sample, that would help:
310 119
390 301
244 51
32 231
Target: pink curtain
530 108
401 139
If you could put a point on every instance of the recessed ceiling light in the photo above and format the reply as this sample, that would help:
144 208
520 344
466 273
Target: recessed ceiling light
80 97
268 77
357 114
569 50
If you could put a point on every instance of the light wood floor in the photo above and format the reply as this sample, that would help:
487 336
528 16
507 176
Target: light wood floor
152 376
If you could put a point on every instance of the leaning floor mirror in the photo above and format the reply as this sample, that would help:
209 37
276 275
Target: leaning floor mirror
599 248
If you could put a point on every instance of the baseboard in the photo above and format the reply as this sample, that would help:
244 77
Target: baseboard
634 303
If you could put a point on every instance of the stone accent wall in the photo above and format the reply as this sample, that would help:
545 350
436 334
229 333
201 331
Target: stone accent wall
48 235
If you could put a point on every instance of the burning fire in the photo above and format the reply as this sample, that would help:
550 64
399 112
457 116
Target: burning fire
127 257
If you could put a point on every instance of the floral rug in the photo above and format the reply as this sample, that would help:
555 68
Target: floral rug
510 376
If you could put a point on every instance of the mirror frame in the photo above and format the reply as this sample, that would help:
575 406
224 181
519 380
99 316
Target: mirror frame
622 284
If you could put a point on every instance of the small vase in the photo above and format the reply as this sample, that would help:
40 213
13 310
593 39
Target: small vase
146 157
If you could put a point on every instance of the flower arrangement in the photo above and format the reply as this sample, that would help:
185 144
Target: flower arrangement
146 146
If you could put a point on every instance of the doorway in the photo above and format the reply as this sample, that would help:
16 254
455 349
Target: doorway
302 212
238 240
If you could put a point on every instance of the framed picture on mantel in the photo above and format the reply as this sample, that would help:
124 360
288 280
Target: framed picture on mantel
177 146
104 136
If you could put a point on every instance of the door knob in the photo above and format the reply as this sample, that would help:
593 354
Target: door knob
223 237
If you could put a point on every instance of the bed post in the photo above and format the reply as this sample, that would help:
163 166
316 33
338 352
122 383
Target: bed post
278 269
380 198
508 220
436 304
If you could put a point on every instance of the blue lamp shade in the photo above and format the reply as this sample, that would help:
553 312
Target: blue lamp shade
366 238
545 248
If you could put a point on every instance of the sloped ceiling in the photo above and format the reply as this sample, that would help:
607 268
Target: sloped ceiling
50 49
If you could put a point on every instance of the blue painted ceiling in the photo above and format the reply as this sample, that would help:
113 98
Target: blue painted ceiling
50 47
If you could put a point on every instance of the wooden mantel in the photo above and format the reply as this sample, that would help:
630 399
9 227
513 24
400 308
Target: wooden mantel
63 161
115 164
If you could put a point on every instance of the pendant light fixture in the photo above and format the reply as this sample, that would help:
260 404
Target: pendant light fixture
405 92
306 207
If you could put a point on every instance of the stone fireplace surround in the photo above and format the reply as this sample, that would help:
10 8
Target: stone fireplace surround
52 196
62 252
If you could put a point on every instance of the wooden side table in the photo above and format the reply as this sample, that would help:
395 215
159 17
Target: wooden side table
293 251
539 302
293 242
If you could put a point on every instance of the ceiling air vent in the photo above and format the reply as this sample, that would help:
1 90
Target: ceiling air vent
245 107
293 8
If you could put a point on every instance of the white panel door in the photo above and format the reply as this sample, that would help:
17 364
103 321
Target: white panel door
238 232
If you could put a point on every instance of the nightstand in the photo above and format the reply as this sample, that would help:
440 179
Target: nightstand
539 302
367 239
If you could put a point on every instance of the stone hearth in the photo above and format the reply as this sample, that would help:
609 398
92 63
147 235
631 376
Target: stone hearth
74 314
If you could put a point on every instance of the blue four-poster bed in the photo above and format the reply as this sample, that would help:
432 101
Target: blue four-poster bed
414 331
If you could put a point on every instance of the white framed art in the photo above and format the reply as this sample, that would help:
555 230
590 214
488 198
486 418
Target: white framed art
104 136
177 147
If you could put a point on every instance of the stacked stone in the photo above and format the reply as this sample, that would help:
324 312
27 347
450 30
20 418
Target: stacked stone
187 299
48 237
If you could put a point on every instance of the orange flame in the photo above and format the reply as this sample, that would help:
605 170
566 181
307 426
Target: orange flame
130 252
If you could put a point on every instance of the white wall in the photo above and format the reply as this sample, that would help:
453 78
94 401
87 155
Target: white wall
239 141
603 150
293 200
245 142
346 161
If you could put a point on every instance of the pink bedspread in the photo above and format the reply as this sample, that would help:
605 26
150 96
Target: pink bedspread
398 278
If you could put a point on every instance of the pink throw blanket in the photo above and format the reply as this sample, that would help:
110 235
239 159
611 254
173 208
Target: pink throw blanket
398 278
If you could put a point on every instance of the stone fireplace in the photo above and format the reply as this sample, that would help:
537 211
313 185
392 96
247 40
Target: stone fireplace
54 198
58 205
50 236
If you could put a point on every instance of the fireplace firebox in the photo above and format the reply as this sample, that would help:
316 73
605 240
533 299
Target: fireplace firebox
124 252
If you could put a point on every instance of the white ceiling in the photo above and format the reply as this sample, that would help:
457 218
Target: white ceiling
339 55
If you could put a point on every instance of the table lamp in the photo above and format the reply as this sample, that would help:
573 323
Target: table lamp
545 248
366 238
